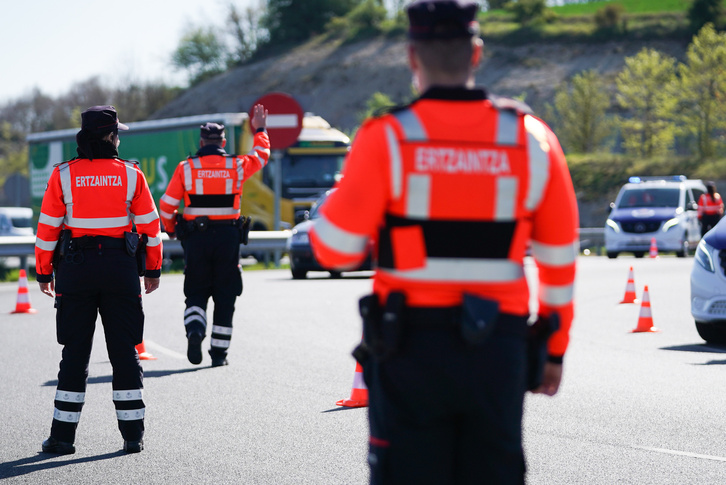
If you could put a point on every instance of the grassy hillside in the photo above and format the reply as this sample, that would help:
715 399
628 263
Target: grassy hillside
630 6
640 19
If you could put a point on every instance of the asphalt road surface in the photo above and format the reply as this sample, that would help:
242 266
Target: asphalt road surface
644 408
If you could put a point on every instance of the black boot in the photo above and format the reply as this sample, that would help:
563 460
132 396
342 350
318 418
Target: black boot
194 347
52 445
218 359
133 446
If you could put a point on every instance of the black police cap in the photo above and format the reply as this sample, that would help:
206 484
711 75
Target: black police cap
100 120
442 19
212 131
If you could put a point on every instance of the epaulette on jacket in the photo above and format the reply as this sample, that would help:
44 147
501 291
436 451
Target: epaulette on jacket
502 103
135 162
66 161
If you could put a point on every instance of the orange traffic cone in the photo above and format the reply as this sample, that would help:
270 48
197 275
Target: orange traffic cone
630 289
143 354
653 248
23 303
645 320
359 395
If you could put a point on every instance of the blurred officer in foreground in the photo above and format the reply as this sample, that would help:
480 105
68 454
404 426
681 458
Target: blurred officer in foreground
455 187
710 208
85 241
211 230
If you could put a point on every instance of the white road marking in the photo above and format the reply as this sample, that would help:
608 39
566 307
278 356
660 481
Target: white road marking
681 453
164 350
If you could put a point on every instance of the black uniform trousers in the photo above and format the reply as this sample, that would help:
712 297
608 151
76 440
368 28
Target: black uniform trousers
442 411
211 269
89 282
708 221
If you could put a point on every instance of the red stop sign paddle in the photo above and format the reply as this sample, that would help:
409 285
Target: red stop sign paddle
284 119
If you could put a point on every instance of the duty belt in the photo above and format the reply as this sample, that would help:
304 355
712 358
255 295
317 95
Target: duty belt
450 317
223 222
85 242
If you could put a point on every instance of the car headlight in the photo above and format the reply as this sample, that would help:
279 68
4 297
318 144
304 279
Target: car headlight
613 225
300 238
670 223
703 256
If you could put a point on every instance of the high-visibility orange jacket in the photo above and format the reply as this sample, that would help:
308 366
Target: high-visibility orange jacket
710 206
99 197
455 189
210 183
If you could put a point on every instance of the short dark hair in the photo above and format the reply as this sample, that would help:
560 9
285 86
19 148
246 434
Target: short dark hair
450 56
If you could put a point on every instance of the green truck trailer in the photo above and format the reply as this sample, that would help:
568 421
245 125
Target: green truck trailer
309 167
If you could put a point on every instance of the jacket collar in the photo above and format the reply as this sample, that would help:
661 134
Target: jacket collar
458 93
211 150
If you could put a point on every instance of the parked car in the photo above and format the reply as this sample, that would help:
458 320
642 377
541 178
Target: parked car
16 221
708 285
300 252
660 208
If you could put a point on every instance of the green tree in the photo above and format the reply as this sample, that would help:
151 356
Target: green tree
702 12
580 113
202 53
297 20
702 85
643 90
247 32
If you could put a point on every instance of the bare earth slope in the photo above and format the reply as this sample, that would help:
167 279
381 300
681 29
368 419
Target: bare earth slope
336 81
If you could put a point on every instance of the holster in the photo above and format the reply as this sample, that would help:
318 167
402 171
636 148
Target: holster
62 247
136 247
539 334
180 227
132 242
382 326
244 229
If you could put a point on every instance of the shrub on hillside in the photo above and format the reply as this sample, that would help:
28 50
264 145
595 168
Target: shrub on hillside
703 12
611 18
528 12
365 19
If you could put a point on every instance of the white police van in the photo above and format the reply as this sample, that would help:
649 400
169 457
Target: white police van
660 208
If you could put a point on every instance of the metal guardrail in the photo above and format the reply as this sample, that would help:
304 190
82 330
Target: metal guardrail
592 238
259 242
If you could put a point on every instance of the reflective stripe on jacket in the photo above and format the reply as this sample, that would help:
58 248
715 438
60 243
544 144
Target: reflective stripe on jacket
455 190
211 184
710 206
100 197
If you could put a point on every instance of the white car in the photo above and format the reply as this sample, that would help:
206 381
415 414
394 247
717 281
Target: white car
660 208
16 221
708 285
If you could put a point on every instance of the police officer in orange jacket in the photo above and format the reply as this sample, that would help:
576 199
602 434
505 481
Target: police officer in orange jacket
88 255
455 187
211 230
710 208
